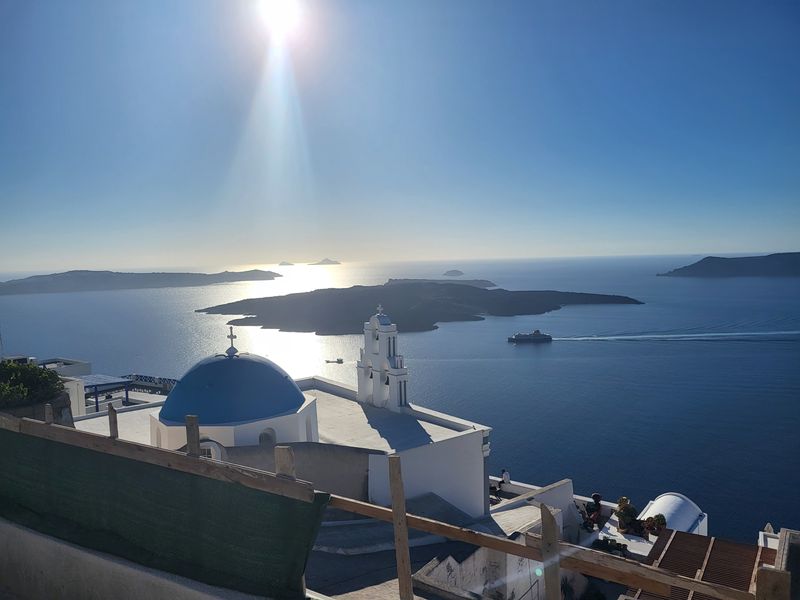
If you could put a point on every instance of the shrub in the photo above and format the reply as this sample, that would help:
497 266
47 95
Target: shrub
22 385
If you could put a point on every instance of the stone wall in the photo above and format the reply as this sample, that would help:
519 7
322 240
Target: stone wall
62 411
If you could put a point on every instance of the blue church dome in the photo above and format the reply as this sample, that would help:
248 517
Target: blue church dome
232 388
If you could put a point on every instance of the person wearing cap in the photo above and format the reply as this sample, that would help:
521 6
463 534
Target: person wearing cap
626 513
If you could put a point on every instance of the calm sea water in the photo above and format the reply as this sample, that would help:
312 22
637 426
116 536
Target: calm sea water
696 391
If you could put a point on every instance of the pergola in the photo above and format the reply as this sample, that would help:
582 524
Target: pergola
103 384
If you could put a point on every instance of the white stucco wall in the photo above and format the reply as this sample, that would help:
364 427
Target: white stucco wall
288 428
451 468
77 395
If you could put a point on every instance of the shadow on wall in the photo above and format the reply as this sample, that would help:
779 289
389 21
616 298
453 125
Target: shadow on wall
411 435
334 469
62 411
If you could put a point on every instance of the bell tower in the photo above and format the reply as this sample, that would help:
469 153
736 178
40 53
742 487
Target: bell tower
382 375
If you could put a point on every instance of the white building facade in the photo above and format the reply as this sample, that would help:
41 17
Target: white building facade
244 401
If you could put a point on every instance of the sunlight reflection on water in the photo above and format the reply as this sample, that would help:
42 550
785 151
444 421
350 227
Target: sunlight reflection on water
682 364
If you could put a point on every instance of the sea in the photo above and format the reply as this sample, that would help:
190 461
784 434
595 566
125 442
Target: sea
695 391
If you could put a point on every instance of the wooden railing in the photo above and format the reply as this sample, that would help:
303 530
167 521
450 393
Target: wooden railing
577 558
545 548
554 554
180 461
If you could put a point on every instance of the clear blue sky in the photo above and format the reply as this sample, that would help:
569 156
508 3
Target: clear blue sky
166 133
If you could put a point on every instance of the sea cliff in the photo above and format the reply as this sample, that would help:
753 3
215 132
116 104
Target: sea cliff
786 264
86 281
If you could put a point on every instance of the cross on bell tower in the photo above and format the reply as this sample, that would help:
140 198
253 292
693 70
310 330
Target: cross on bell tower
232 351
380 309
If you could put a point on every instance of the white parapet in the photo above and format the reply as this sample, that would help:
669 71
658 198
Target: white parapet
682 514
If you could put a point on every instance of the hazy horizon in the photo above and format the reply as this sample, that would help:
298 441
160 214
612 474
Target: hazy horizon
142 133
449 262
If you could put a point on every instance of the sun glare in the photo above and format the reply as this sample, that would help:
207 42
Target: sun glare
282 18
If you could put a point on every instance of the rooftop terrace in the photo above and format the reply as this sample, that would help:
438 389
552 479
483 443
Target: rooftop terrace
342 421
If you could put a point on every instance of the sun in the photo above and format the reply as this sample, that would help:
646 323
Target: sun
282 18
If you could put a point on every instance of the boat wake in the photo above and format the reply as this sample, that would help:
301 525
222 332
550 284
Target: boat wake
728 335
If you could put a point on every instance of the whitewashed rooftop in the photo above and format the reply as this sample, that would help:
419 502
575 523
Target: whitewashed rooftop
349 423
133 422
341 421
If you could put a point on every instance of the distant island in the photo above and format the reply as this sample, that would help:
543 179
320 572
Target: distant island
786 264
453 273
284 263
412 306
481 283
92 281
325 261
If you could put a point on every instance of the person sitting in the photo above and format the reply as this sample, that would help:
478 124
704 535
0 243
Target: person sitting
505 479
594 510
591 512
649 526
654 525
626 515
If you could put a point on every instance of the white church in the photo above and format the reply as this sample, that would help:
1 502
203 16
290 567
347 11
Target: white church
341 436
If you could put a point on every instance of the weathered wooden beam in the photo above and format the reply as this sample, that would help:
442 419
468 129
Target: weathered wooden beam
532 495
786 539
656 575
113 427
661 556
284 462
9 422
246 476
577 558
402 554
702 568
752 587
773 584
620 570
550 558
453 532
192 435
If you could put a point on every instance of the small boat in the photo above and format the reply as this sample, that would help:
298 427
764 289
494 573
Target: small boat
338 361
537 337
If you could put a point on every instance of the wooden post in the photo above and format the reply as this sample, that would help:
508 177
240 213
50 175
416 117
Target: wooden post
550 556
48 413
284 462
113 428
400 528
594 563
772 584
192 435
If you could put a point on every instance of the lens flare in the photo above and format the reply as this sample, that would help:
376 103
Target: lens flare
282 18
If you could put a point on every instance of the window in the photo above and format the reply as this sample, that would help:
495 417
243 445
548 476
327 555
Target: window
210 449
267 438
